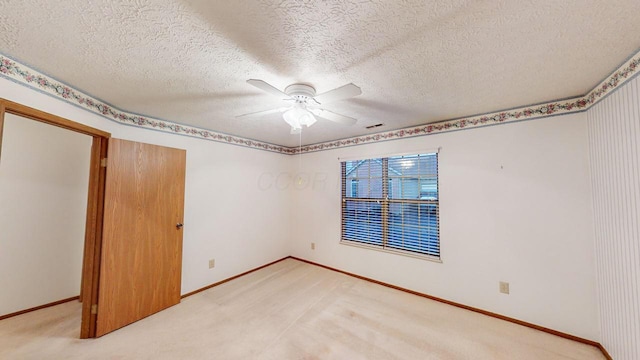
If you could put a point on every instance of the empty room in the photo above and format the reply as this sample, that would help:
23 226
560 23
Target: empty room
300 179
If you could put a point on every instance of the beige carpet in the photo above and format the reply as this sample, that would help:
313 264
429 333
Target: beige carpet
290 310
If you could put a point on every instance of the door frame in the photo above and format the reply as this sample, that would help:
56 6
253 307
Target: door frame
95 204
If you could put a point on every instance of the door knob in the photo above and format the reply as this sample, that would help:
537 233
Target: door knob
179 226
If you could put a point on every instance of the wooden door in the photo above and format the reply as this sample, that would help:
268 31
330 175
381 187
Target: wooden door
141 258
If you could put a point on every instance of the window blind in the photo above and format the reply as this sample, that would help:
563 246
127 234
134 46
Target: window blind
392 203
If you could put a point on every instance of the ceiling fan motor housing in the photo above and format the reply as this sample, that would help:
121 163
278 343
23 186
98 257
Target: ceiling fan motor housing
300 92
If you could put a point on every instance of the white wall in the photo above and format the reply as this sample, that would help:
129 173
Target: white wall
614 137
515 206
44 175
228 216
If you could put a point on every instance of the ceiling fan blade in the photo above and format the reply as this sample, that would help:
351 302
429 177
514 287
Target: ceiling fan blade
341 93
264 86
263 112
336 118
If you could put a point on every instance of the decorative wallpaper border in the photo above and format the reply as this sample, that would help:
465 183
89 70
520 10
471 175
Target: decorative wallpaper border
525 113
25 75
581 103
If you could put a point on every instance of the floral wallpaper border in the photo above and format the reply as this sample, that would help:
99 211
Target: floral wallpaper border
577 104
23 74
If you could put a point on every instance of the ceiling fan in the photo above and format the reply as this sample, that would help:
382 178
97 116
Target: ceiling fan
307 106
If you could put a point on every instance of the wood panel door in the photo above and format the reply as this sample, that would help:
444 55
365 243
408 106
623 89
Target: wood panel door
141 259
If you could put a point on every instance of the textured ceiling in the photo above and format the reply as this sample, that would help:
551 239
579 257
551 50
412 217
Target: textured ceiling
415 61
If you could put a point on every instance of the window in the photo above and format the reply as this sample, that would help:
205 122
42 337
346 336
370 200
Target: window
392 203
354 188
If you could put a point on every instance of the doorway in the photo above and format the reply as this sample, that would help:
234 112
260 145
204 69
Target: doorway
44 176
132 257
94 199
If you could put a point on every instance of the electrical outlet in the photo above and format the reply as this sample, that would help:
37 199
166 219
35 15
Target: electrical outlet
504 287
212 263
313 246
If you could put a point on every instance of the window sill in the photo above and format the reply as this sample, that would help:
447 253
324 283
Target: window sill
392 251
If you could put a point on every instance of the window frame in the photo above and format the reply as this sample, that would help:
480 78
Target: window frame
385 200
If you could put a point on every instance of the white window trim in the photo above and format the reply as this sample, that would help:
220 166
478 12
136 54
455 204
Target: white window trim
388 155
392 251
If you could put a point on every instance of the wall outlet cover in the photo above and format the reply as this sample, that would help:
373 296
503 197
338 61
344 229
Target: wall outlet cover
504 287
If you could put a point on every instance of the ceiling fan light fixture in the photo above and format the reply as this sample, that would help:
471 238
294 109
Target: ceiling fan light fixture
307 119
291 117
298 117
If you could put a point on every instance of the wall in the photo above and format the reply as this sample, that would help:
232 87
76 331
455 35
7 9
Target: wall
44 176
515 206
228 216
614 138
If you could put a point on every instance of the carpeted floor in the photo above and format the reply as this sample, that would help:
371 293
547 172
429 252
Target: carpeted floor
290 310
